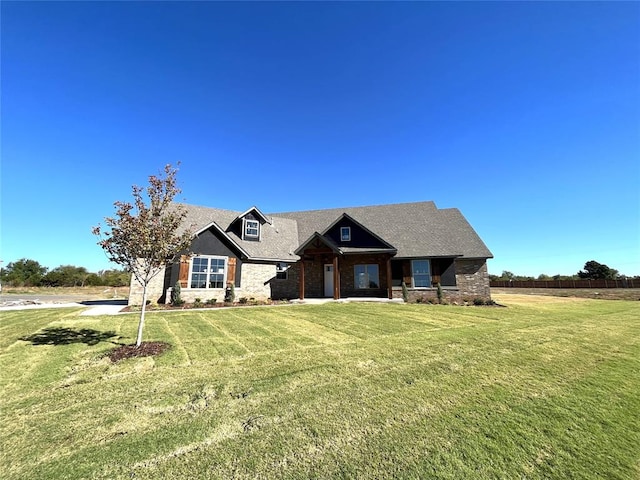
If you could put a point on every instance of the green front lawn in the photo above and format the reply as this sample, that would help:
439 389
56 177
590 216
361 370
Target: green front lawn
547 388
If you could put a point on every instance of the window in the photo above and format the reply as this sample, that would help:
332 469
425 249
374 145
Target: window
345 234
421 274
208 272
366 276
251 228
281 271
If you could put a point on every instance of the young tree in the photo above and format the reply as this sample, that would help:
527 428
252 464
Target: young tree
145 235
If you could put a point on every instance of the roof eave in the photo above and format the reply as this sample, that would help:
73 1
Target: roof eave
284 260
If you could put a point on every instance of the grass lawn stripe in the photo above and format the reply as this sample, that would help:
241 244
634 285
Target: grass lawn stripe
511 393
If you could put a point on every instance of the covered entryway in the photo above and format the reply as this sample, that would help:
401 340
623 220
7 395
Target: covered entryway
324 273
346 260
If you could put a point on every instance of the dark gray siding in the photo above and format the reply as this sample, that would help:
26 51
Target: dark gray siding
359 236
207 243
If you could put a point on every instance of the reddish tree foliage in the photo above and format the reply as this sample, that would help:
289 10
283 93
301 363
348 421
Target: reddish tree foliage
145 235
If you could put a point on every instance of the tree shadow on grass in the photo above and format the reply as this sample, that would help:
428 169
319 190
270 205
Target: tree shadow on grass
67 336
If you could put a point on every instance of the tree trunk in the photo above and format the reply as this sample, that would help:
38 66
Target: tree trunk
142 311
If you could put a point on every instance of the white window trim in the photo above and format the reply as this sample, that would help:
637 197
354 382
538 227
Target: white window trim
216 257
284 270
245 226
348 239
413 281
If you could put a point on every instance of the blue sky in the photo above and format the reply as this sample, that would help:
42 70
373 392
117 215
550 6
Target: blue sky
525 116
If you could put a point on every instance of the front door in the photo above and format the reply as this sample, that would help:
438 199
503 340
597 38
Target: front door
328 280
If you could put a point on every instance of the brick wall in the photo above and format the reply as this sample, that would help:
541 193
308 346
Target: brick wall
472 278
314 278
288 288
347 274
472 281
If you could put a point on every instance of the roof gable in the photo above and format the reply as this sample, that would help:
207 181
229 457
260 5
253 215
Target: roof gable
316 240
360 236
254 213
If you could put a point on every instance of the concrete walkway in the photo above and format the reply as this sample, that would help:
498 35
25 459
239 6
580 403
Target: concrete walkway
92 307
108 307
320 301
113 307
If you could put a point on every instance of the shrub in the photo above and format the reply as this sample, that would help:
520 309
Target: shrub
478 301
439 293
197 302
242 300
176 298
211 301
230 293
405 293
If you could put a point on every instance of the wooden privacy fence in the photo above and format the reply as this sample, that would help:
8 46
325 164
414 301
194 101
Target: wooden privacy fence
625 283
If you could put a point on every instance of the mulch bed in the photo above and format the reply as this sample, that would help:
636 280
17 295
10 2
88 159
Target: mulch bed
146 349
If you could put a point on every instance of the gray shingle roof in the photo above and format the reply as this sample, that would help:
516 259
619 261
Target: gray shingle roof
417 229
278 239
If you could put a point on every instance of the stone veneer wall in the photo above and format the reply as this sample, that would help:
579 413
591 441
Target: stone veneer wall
255 283
155 290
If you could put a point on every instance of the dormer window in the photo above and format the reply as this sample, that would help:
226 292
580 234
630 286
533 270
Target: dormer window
251 228
345 234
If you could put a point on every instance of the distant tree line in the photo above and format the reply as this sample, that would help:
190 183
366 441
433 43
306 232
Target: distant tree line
592 271
29 273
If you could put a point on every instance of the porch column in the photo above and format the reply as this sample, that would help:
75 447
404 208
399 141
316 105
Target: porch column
336 279
389 283
301 280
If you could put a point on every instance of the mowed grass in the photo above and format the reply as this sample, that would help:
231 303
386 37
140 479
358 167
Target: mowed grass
546 388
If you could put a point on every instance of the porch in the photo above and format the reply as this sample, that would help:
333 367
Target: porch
330 269
329 275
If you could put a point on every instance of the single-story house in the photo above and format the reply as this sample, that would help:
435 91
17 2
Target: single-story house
336 253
